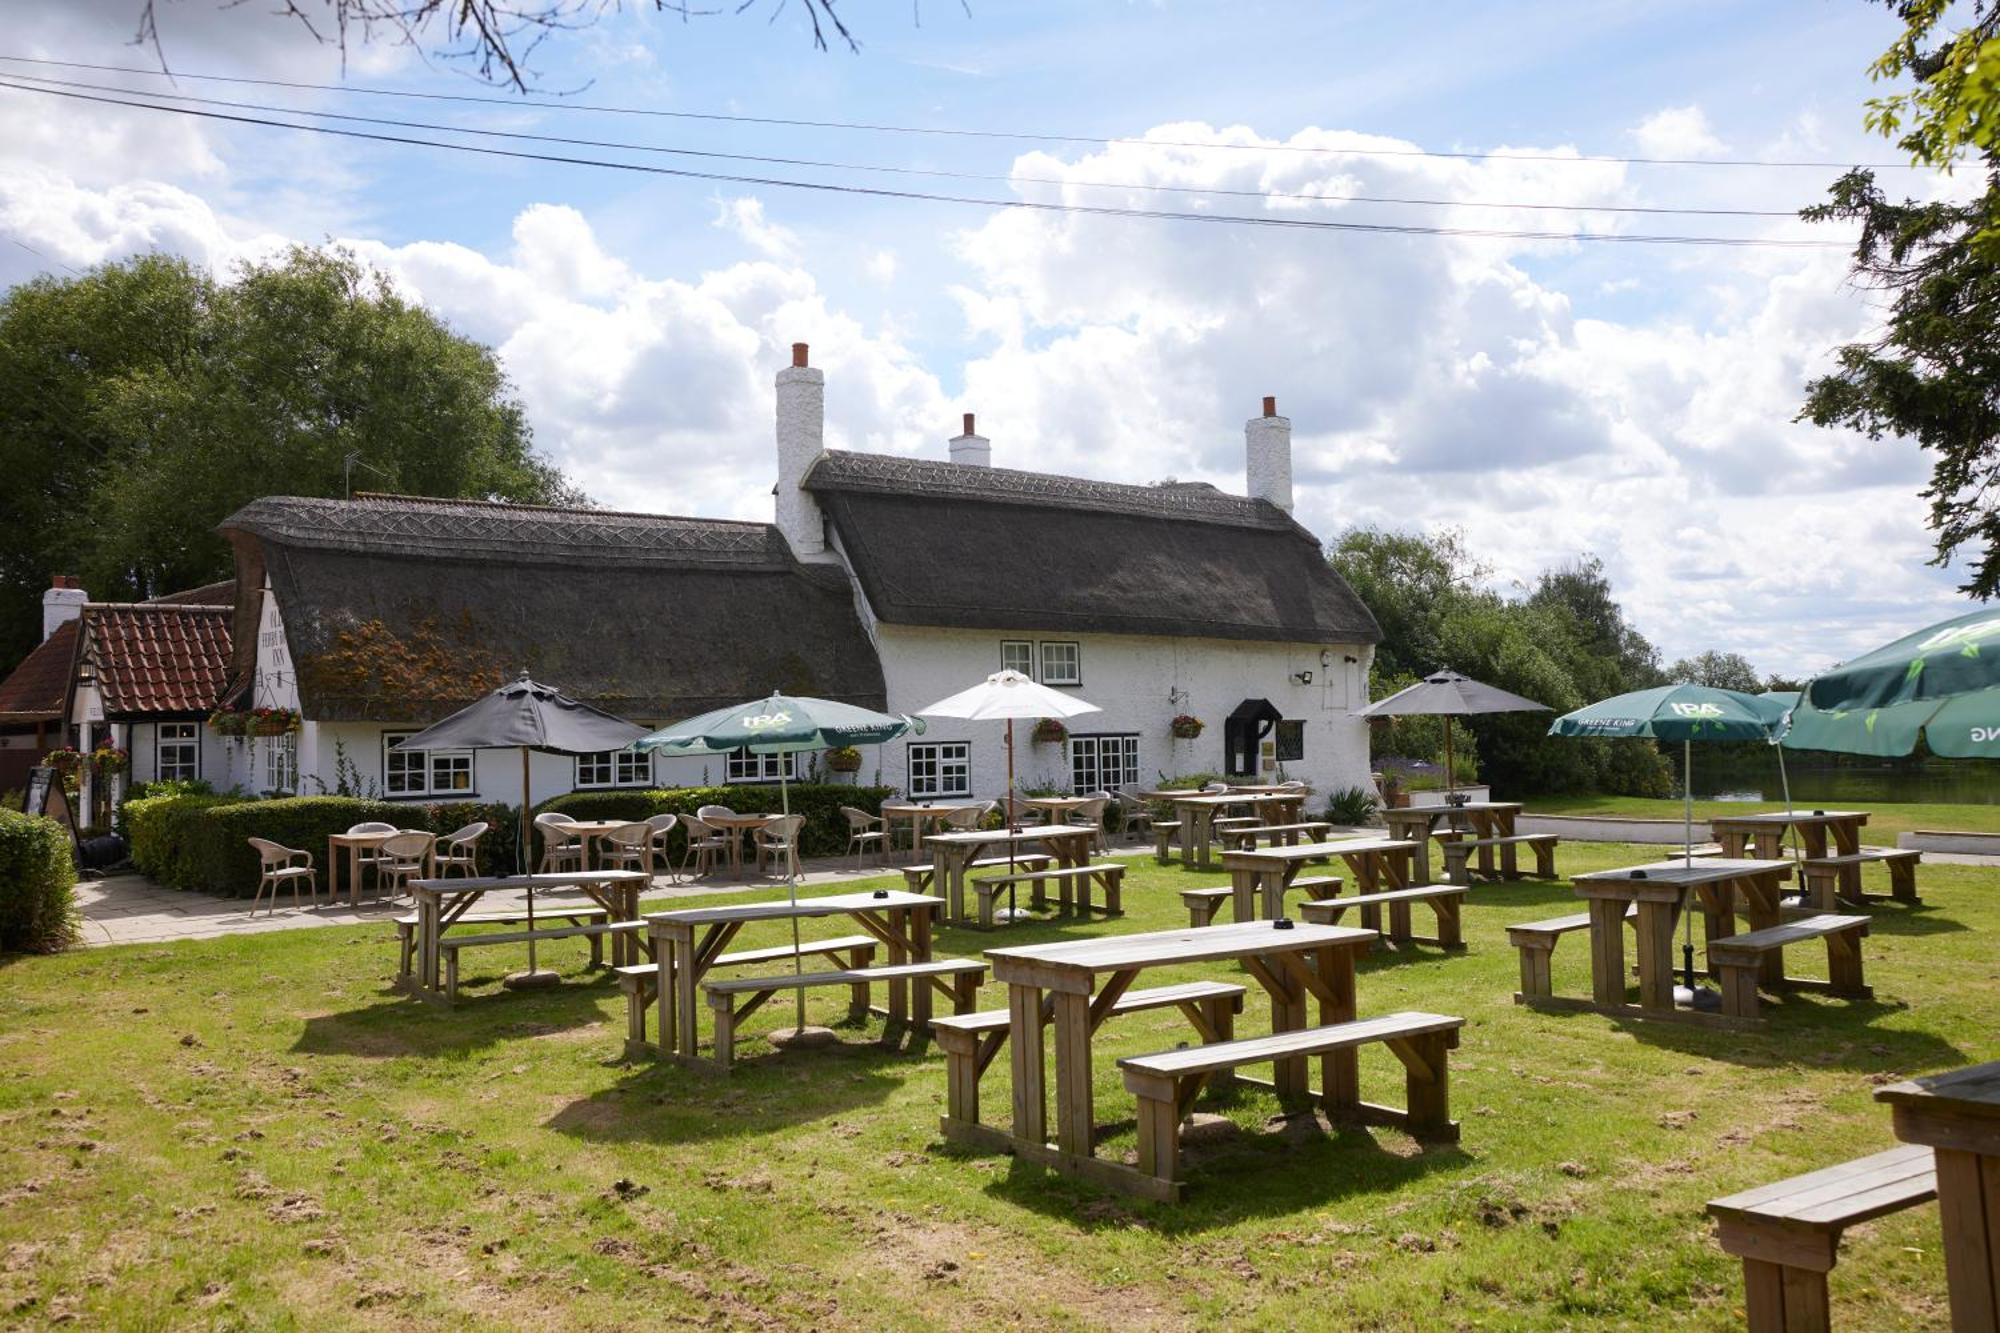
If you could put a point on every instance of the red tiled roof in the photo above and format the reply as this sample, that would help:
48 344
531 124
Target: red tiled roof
155 658
39 687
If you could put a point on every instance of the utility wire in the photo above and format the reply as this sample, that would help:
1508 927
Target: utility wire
1011 179
1014 135
827 187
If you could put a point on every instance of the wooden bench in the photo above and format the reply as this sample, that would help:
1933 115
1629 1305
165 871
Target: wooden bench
1164 831
958 978
1740 959
1537 942
451 944
406 930
1203 903
1246 838
971 1041
1168 1082
1822 877
1458 856
917 879
1788 1234
641 981
1073 884
1443 899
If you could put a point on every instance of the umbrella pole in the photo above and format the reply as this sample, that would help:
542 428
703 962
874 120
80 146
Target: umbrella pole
1012 827
1687 859
1798 854
526 846
792 884
1450 776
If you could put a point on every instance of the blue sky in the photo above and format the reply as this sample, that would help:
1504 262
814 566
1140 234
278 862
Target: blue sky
1550 398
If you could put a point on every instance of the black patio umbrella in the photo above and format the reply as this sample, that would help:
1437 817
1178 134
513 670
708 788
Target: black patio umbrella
1447 694
527 716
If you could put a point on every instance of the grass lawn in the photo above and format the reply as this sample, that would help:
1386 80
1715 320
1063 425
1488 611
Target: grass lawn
257 1132
1885 820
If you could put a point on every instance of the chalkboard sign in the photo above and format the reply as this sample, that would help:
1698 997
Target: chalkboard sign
47 797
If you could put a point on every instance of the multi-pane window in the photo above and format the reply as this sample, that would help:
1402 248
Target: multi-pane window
281 762
940 768
1103 762
614 768
742 766
423 772
177 751
1018 655
1062 663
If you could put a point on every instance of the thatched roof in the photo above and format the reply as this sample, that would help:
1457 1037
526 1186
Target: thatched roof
945 544
404 609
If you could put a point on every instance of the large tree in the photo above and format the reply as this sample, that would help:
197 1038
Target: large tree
144 401
1720 671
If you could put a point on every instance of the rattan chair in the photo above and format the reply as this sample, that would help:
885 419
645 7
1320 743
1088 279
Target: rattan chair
1022 815
277 866
365 857
968 817
1134 812
663 827
1090 815
460 851
704 844
628 847
781 837
561 849
863 831
404 857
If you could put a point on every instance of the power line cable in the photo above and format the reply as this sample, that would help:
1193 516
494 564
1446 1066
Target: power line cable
867 191
1025 136
572 142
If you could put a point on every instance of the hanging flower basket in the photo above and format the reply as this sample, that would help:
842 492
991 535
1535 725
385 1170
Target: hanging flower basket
107 760
273 721
844 759
229 722
1185 727
66 761
1050 731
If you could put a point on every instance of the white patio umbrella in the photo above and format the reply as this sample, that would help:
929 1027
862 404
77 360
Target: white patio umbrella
1006 695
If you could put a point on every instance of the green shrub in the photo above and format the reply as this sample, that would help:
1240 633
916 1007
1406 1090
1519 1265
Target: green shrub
1352 806
824 834
162 833
37 885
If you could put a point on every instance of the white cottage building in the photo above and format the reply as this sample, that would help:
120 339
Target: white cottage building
886 581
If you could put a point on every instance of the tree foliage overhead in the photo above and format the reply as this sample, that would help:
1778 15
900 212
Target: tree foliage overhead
143 402
1564 644
1954 105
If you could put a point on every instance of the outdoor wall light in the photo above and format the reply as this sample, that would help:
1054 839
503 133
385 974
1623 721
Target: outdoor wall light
1303 677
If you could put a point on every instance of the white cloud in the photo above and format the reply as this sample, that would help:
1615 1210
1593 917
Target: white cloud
745 217
1678 131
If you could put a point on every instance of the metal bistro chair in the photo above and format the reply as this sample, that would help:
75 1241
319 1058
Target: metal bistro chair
561 849
276 867
704 844
628 847
403 859
460 851
781 837
663 827
365 857
863 831
1090 815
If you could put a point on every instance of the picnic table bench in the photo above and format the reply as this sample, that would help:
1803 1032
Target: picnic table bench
1203 903
920 878
1073 888
450 945
958 979
1444 900
1788 1234
640 981
1957 1115
1458 855
1825 887
1259 877
1167 1083
1742 958
1245 837
1537 942
971 1041
1418 824
443 903
407 924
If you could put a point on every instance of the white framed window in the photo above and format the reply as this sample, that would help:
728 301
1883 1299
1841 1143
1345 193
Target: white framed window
1103 762
1018 655
742 766
940 768
423 772
1062 663
614 768
176 751
281 762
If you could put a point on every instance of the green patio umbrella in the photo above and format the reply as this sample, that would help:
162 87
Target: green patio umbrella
781 725
1941 683
1684 713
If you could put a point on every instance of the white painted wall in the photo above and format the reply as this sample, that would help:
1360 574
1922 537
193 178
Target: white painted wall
221 764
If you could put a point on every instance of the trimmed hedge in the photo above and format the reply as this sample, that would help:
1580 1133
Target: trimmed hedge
824 834
37 885
202 842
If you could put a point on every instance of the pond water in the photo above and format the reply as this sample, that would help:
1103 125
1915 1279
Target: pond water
1965 783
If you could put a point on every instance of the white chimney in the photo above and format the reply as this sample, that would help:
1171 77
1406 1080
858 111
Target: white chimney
1267 456
801 440
62 603
971 449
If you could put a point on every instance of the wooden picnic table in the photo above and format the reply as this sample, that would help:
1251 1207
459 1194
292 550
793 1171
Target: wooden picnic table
1258 879
899 919
1763 836
1057 808
919 815
735 826
1662 890
952 853
1482 819
1197 811
1080 981
1958 1115
440 902
357 843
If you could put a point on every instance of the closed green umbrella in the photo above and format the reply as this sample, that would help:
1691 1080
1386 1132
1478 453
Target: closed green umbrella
1941 683
781 725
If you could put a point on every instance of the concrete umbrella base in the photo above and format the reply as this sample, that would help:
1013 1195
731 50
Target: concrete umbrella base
806 1038
540 978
